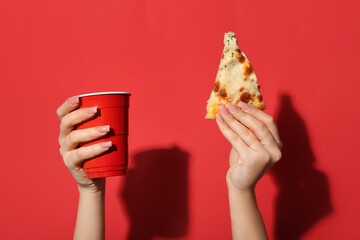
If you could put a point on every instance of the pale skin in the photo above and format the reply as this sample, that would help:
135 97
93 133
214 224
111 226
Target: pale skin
90 221
252 154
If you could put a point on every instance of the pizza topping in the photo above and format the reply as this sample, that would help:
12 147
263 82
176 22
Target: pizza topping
216 86
247 68
240 57
245 97
235 81
223 93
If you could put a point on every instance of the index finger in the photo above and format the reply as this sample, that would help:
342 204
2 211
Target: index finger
263 117
68 106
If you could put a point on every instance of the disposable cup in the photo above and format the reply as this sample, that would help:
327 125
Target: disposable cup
113 108
106 174
106 169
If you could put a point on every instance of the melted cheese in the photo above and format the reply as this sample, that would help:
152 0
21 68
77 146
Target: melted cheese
232 76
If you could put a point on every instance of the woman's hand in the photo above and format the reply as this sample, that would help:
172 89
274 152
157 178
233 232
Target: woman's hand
69 139
255 141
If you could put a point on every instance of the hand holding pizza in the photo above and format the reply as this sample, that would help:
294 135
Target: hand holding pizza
255 141
252 133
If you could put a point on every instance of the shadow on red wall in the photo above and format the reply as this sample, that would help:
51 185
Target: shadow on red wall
304 194
156 194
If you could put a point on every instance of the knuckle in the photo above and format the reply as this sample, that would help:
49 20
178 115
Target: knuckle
245 133
70 159
270 120
71 137
66 159
261 126
64 122
66 156
234 138
79 153
61 151
253 110
278 155
267 158
68 163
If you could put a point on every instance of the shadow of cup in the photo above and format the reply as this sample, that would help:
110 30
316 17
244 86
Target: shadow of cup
156 194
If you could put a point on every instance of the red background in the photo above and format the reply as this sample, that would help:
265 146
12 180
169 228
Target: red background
166 53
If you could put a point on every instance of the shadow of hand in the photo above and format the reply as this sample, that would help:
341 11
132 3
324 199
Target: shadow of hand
304 195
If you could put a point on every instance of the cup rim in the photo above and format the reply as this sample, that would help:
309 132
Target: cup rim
104 93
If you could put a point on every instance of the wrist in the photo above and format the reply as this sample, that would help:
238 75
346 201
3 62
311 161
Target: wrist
96 186
91 191
241 192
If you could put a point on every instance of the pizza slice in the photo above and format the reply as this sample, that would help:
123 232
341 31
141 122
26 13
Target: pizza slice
235 80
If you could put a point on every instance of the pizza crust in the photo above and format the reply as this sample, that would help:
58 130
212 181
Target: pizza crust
235 80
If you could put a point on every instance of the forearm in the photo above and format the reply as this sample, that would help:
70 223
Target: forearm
90 222
246 220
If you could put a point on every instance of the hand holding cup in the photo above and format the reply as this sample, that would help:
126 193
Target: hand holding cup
69 139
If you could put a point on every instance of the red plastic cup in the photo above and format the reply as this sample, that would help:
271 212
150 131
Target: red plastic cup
113 110
106 169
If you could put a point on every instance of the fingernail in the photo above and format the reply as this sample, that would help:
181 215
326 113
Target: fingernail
231 108
223 110
74 100
219 118
103 129
106 144
244 106
91 110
